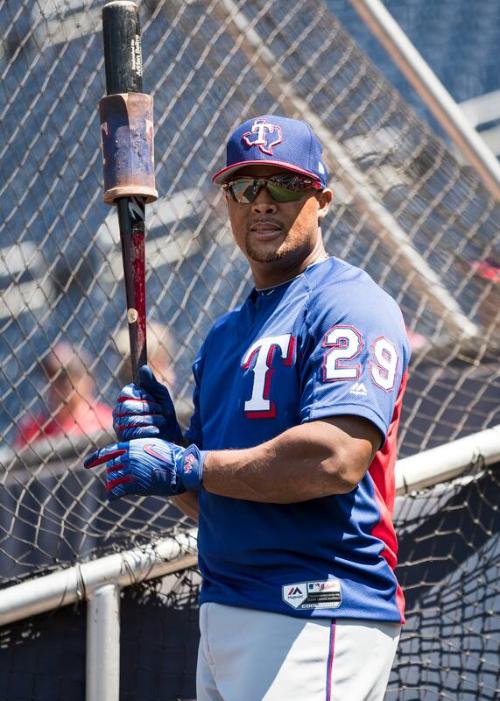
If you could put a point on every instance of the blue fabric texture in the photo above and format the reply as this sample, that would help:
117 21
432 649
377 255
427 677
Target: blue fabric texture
329 342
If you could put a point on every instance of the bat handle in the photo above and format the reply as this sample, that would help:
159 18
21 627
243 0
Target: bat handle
131 214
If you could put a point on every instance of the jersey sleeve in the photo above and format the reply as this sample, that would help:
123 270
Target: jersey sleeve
354 356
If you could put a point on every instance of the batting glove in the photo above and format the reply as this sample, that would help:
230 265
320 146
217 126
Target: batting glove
146 410
149 466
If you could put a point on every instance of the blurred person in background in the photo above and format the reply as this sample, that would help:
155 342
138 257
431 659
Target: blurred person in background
487 274
161 348
417 340
161 352
486 279
72 408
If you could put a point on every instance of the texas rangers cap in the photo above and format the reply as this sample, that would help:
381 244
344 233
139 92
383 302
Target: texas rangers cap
274 140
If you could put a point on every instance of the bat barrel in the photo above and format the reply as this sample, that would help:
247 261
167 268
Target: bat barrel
126 112
122 47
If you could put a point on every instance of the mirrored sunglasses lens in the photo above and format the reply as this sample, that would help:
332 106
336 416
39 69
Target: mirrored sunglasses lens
243 191
296 183
280 193
282 188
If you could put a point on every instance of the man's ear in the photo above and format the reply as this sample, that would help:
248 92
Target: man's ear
324 199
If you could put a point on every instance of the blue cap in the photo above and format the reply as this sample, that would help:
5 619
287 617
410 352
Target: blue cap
274 140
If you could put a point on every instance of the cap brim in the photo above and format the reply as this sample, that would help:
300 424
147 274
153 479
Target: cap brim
223 175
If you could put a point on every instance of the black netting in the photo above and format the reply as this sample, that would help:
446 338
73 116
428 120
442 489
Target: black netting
450 572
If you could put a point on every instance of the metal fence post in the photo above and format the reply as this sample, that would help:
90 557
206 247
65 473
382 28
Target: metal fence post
103 644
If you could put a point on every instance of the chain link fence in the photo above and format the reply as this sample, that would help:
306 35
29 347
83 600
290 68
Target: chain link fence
418 220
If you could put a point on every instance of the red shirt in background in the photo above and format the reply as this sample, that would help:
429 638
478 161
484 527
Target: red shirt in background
83 421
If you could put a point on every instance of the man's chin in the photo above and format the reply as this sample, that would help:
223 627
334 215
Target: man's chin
268 258
264 254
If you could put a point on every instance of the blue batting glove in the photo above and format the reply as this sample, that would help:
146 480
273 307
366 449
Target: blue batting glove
146 410
149 466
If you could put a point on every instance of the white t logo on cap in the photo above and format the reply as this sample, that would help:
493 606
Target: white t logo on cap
263 131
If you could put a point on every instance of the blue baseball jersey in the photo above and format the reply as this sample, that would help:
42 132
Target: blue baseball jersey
329 342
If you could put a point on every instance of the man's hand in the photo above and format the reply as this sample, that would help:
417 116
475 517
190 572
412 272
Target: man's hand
149 466
146 410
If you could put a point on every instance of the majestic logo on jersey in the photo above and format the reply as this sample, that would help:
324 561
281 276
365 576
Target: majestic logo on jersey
259 358
359 389
264 135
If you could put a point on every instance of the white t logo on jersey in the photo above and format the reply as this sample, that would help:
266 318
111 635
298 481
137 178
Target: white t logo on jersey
259 405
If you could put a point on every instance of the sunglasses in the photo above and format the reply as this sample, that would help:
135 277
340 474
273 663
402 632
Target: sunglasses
281 188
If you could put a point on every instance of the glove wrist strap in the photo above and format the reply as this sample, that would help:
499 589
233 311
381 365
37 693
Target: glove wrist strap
190 468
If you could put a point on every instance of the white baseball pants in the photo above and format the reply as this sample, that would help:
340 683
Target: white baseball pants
248 655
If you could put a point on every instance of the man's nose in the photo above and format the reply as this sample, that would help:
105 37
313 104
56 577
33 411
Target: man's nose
263 203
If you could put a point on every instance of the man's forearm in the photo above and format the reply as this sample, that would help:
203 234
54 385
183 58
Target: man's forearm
188 504
305 462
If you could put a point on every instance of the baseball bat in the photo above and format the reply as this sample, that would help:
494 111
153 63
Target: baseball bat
127 140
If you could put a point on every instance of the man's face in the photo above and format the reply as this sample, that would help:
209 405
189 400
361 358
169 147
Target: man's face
277 234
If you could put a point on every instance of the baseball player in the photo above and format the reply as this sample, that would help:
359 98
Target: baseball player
291 447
